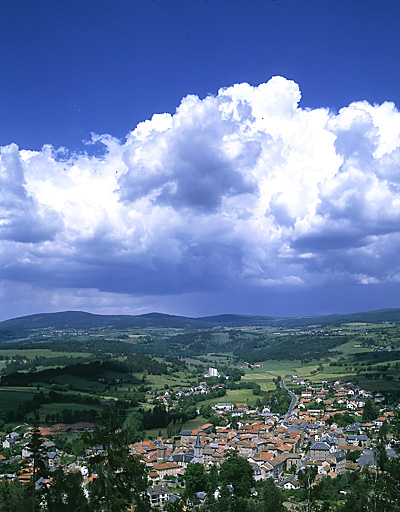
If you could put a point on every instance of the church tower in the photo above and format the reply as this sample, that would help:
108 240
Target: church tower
198 449
161 452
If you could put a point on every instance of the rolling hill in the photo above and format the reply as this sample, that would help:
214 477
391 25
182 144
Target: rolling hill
82 320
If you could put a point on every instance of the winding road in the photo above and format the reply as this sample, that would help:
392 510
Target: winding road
294 397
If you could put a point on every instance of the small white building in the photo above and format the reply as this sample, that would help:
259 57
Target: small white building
9 443
212 372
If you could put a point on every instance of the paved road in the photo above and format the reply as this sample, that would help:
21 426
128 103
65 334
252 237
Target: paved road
294 397
292 403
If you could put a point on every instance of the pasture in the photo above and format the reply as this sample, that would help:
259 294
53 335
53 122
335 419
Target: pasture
12 397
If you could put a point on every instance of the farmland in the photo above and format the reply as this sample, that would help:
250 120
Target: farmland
135 365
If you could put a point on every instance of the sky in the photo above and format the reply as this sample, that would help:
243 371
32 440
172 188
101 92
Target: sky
199 157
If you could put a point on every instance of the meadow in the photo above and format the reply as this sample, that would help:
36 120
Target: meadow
367 356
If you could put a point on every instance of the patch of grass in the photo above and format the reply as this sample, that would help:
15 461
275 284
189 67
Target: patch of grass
78 383
159 381
349 348
32 353
263 379
234 396
46 409
195 423
11 398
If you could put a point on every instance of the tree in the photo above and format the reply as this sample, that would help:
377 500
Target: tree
120 478
65 493
238 473
212 481
195 480
353 456
384 479
306 478
37 461
271 498
14 496
370 411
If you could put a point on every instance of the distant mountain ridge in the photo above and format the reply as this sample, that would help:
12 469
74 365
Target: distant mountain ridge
82 320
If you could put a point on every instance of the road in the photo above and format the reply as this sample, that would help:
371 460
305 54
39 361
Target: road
292 403
294 397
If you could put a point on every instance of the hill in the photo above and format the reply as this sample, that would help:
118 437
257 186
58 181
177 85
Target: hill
80 320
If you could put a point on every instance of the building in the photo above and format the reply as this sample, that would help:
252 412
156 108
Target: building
159 495
319 451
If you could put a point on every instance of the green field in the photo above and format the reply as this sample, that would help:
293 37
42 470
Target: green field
32 353
58 408
263 379
350 349
234 396
222 348
11 398
81 384
173 382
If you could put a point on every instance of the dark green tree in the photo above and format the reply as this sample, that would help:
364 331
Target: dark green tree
195 480
120 478
270 497
237 472
15 496
212 480
306 478
65 493
383 479
36 462
370 411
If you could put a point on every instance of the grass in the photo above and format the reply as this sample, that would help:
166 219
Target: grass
160 381
263 379
349 348
11 398
58 408
188 425
81 384
283 367
234 396
32 353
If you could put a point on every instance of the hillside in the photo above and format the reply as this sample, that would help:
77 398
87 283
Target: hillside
82 320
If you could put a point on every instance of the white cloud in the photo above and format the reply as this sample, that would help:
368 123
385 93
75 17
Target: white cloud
22 217
244 189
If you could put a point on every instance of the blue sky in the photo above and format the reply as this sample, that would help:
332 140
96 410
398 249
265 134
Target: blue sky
278 195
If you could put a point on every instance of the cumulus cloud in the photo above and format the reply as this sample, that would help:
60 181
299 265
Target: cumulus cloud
22 217
240 190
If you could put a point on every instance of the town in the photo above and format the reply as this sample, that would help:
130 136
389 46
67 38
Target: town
317 437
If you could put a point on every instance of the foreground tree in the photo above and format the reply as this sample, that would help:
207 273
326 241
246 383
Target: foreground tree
36 462
119 478
270 497
238 473
15 497
195 481
65 493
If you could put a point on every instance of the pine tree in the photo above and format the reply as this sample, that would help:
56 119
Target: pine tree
120 479
65 493
36 461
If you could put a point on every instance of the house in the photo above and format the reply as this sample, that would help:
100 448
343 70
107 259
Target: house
223 407
319 451
290 484
340 460
259 472
166 468
159 495
9 443
53 459
292 459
